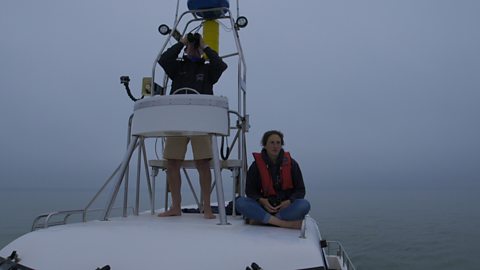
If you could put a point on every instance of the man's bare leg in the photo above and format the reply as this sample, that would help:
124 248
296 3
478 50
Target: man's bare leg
174 184
203 167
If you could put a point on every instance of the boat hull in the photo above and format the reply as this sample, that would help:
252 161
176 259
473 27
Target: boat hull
185 242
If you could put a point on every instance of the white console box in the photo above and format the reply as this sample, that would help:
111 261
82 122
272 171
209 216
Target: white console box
180 115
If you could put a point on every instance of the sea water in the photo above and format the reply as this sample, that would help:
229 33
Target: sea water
380 228
404 228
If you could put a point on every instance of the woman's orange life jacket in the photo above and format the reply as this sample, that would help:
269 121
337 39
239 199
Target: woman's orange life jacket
267 181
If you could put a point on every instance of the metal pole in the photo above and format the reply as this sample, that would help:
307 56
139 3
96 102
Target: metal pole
139 162
125 192
166 193
151 190
234 191
222 215
152 203
123 168
84 216
243 170
199 204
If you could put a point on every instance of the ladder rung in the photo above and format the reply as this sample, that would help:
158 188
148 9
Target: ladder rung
190 164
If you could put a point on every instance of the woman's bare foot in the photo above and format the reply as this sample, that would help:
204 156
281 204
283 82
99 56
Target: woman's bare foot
293 224
254 222
296 224
171 212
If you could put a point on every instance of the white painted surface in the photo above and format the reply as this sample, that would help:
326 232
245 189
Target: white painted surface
178 115
150 242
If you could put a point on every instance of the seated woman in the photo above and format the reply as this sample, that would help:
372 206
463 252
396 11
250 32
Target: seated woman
274 188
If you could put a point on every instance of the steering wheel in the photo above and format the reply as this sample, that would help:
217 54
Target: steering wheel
186 89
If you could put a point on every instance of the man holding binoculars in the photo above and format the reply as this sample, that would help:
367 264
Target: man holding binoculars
191 71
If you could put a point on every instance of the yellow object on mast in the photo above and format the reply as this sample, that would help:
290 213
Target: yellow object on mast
211 32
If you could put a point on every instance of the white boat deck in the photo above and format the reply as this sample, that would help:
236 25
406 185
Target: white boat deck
151 242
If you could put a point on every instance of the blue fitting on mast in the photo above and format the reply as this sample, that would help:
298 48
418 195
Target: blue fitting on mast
207 4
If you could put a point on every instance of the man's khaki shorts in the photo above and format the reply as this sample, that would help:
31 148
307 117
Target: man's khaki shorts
176 147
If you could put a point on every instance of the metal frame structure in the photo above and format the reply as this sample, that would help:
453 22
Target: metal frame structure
121 173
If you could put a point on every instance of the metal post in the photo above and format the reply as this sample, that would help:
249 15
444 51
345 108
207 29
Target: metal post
236 183
222 215
125 192
166 192
199 203
84 216
151 190
139 162
242 173
123 168
152 202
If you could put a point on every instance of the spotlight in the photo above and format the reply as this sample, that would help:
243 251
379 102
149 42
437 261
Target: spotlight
164 29
241 22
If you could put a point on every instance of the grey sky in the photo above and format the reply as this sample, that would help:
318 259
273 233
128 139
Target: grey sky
366 92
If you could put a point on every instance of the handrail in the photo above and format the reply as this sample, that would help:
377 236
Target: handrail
339 251
303 228
67 213
333 248
47 217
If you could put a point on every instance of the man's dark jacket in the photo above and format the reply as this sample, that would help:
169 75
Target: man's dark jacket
198 75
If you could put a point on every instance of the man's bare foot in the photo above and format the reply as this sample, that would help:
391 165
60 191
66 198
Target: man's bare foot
171 212
207 213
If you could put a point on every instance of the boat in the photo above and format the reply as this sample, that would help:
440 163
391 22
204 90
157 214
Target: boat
122 236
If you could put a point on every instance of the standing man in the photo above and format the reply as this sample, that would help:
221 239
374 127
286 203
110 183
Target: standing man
191 71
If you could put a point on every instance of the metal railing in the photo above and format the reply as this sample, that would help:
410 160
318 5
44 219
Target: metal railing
331 249
335 248
62 217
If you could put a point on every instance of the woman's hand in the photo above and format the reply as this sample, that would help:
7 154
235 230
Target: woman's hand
282 205
266 204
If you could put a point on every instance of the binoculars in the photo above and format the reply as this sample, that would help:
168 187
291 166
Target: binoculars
194 39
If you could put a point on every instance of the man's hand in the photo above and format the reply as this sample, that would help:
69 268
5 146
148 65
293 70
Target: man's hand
184 40
202 43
